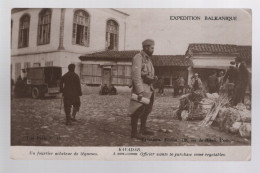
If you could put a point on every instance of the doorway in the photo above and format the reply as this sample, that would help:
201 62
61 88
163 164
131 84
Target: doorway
106 77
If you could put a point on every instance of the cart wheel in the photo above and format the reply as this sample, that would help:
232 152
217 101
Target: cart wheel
36 93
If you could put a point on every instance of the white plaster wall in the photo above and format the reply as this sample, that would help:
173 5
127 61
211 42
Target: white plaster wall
42 53
33 47
212 61
98 18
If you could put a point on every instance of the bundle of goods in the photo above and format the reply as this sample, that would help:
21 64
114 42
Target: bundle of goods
218 103
235 120
193 106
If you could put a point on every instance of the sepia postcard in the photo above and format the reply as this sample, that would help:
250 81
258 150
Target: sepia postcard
131 84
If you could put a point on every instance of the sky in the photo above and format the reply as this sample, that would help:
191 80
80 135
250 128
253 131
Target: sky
172 37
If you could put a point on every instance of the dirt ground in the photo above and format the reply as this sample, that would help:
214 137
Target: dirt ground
103 121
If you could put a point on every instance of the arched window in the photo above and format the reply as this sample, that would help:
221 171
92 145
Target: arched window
81 25
24 31
44 27
112 35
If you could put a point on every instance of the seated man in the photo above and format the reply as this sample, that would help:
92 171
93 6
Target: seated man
113 90
104 90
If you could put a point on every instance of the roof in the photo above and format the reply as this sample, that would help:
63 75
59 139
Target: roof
244 51
110 55
171 60
158 60
212 48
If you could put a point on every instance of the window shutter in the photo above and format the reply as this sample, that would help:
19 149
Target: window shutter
86 36
74 33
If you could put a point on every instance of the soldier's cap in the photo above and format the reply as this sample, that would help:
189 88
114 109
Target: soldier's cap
148 42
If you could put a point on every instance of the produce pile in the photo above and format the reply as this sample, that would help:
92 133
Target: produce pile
193 106
236 120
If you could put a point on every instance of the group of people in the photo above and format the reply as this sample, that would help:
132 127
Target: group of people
237 79
234 82
179 86
105 90
143 78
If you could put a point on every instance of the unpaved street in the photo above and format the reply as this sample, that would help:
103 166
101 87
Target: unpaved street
103 121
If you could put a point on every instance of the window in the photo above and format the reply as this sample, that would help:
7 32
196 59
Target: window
37 64
121 75
24 31
44 27
112 35
81 24
91 74
48 63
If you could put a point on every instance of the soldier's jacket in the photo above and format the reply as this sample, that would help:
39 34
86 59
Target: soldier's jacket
141 66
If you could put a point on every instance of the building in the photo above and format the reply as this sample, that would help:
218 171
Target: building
207 58
59 36
114 67
170 67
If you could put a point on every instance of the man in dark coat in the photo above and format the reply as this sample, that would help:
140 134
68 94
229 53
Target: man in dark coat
232 77
213 83
71 89
142 78
243 81
19 88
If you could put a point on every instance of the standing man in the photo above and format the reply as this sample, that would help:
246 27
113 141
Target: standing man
142 79
232 77
161 86
213 83
196 83
243 80
181 84
220 80
71 89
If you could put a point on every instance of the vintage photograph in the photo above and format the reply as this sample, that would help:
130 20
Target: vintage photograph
105 77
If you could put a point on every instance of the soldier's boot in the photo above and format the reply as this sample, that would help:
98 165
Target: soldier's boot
134 134
143 128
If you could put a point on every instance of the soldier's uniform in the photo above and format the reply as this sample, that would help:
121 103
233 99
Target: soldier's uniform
71 89
141 67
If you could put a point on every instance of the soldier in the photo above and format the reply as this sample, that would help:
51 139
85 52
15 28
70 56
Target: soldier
71 89
142 78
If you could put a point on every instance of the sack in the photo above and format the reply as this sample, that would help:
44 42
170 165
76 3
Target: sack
143 100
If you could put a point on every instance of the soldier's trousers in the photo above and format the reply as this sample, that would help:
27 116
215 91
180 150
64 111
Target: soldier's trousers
141 113
69 102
